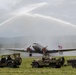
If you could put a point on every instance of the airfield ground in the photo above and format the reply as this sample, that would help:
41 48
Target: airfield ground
26 69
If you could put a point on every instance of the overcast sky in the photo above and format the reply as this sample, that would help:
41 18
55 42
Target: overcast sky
61 11
40 20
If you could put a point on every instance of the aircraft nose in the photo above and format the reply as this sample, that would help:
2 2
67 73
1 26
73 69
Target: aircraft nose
34 44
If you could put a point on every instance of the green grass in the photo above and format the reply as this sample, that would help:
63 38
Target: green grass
26 69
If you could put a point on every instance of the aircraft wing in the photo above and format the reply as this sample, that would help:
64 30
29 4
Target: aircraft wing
20 50
62 50
17 49
48 51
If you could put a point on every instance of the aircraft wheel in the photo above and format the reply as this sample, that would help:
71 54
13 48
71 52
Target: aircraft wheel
30 54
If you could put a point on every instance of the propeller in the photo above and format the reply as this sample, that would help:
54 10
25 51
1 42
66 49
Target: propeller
44 49
29 50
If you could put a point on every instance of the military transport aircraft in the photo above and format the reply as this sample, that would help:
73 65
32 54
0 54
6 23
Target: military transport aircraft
37 48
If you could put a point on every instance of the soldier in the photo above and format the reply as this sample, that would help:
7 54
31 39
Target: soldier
9 58
50 57
45 57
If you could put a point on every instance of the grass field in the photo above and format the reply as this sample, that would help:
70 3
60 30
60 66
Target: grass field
26 69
